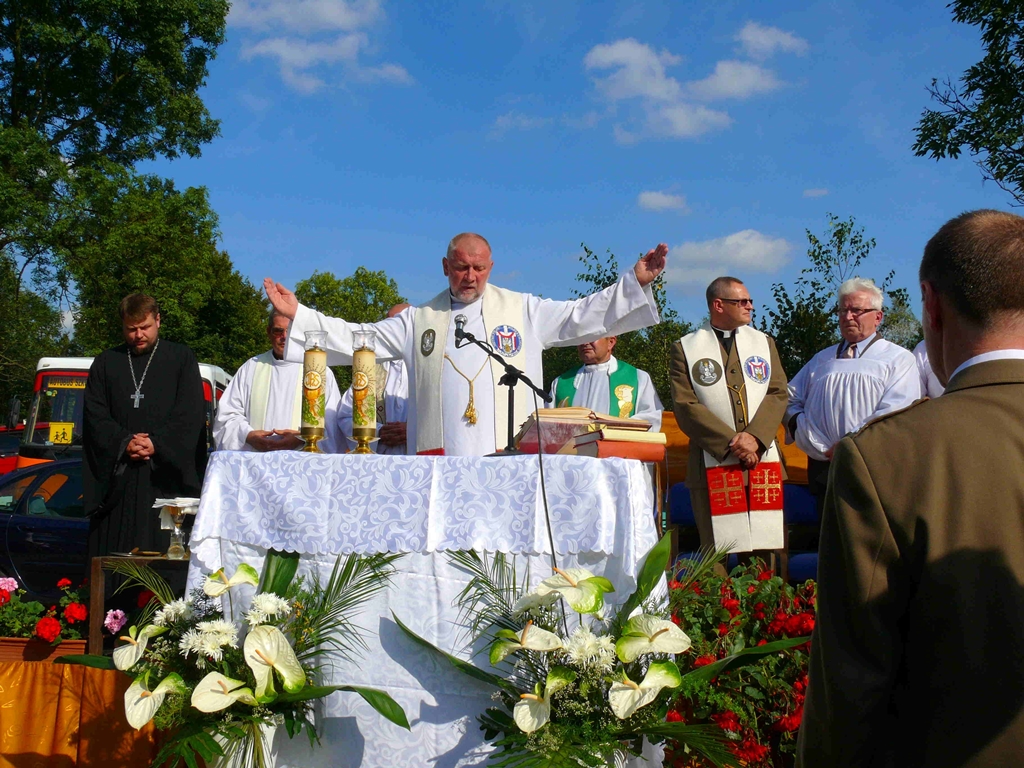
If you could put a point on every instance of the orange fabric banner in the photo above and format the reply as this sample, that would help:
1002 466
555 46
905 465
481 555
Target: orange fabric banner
766 487
61 716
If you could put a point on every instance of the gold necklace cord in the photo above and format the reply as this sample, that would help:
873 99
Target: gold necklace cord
470 413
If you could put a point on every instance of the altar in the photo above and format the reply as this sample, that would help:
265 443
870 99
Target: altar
320 506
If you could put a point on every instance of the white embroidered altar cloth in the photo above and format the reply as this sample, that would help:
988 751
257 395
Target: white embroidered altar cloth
324 505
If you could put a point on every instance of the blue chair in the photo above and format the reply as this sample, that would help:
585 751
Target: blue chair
798 506
680 511
803 566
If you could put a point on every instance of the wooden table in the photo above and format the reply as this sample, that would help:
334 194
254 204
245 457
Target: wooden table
97 589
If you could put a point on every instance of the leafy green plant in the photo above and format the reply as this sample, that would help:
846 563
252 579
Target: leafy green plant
63 620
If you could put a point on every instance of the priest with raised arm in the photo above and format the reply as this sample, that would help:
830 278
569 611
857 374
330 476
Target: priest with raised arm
143 435
456 406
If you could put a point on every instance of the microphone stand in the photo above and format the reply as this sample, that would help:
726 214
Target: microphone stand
512 375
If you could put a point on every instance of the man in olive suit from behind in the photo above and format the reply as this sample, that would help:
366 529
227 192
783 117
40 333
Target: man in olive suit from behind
917 655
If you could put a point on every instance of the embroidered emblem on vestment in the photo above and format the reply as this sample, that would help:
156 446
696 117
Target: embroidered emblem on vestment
706 372
506 340
758 369
427 342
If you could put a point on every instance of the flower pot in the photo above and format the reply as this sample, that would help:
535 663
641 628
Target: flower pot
34 649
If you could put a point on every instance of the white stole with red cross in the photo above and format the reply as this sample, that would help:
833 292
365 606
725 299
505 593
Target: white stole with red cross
745 515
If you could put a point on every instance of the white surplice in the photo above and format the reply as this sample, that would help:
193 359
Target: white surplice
622 307
593 391
835 396
233 422
396 407
930 384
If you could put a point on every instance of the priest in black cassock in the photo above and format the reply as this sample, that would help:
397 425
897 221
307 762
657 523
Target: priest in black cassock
144 432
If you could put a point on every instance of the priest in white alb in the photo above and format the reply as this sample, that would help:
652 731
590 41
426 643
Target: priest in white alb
845 386
261 408
456 406
606 384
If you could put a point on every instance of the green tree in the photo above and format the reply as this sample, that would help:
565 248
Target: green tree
647 349
803 320
362 297
148 236
30 328
90 86
984 111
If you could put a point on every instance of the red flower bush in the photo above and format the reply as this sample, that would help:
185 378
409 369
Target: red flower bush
758 706
48 629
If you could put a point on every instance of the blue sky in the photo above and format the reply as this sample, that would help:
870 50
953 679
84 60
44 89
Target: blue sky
369 132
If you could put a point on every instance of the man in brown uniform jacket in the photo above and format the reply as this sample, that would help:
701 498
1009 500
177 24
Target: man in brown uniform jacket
750 434
917 655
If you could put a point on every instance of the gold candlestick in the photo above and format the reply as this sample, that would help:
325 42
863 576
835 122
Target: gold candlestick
364 390
314 398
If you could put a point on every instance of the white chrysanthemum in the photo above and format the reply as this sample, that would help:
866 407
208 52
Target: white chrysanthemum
174 611
189 642
266 605
218 631
585 649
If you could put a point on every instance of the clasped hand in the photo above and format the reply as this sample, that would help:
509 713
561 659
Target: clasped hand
744 446
140 447
263 440
392 433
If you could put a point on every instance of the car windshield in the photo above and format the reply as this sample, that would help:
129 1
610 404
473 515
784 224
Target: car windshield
59 404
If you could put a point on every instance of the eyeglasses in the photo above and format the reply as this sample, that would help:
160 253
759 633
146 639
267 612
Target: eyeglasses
277 331
855 311
740 302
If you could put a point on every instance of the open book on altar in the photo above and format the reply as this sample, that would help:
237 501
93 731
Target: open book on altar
559 426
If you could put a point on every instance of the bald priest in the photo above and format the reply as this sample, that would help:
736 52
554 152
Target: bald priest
455 404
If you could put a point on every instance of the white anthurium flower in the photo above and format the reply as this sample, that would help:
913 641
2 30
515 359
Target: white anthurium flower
625 697
650 634
580 588
533 710
217 583
216 692
537 599
127 656
266 649
530 639
140 703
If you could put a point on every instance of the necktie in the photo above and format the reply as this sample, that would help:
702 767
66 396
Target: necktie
851 352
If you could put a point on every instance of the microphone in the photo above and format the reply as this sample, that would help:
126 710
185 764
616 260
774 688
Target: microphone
460 327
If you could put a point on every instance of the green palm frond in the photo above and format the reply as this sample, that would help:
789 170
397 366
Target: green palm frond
141 575
700 567
491 593
324 624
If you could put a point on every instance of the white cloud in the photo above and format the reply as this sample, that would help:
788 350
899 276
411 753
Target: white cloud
517 121
315 37
695 264
662 201
818 192
760 42
734 80
639 71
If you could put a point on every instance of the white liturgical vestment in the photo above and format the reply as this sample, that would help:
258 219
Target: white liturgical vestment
254 400
521 327
835 396
396 401
930 384
593 391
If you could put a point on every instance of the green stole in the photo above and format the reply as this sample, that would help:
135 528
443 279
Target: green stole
622 386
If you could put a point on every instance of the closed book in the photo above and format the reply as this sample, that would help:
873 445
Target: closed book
623 435
603 449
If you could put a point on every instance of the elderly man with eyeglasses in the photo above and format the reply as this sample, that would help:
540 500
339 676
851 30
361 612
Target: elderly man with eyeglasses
729 395
847 385
261 407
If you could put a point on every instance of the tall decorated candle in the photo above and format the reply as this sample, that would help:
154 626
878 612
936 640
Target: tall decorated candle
364 388
314 390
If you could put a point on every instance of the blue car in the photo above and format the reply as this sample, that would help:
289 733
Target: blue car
45 533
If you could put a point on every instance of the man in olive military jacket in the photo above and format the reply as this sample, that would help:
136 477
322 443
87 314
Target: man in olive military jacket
729 394
916 658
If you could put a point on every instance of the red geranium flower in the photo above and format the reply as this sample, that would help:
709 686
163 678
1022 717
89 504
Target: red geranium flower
791 722
75 612
749 750
727 721
765 575
732 605
63 583
48 628
751 589
144 597
5 597
673 717
695 588
723 629
758 612
673 584
703 661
